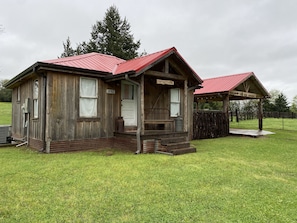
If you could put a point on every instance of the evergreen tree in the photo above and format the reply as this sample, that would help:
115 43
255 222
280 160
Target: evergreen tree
293 107
5 94
68 50
268 106
110 36
281 103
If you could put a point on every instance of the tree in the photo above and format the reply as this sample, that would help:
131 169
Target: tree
269 103
5 94
110 36
281 103
293 107
68 50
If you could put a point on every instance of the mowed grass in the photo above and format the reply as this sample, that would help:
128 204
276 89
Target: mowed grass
268 124
231 179
5 113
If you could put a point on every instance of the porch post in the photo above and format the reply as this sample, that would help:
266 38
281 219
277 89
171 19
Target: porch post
260 108
186 105
226 105
142 103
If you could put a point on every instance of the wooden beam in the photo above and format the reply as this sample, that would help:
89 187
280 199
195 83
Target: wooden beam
245 94
166 70
177 67
185 105
142 103
260 108
164 75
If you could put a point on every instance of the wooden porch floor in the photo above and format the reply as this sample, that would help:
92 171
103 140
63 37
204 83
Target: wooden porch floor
152 134
249 132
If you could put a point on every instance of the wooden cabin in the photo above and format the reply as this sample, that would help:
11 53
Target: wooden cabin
95 101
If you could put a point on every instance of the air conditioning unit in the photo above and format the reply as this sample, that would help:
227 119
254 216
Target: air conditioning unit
5 134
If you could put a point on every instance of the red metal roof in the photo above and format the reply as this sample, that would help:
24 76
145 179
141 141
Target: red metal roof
140 63
222 84
114 65
90 61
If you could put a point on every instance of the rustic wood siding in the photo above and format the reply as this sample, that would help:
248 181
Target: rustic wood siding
63 110
35 125
156 98
210 124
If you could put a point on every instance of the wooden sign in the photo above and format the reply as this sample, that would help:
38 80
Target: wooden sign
110 91
165 82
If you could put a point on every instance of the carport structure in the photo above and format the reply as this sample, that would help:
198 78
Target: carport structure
233 87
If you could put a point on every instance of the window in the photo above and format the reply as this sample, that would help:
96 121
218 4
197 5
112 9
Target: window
19 93
35 98
88 98
174 102
127 91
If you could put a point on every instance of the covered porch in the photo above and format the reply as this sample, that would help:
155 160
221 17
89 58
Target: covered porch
245 86
157 105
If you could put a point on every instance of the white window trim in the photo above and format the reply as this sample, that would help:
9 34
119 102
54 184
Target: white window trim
174 102
35 99
82 112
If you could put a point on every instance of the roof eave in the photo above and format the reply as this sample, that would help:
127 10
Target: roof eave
21 75
42 66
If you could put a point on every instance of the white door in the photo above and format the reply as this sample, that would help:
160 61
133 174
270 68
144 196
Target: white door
129 103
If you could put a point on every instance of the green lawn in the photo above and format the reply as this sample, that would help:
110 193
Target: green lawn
231 179
5 113
268 124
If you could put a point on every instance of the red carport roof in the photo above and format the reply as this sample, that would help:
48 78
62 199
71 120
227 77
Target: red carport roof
222 84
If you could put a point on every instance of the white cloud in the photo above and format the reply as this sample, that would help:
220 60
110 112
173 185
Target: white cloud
215 37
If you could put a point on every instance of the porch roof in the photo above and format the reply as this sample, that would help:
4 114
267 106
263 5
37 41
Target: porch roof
237 86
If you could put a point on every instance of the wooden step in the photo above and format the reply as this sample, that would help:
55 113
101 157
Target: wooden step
183 151
178 145
166 141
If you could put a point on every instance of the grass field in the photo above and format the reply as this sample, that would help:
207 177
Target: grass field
268 124
231 179
5 113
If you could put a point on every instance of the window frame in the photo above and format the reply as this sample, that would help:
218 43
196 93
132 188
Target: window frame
82 113
175 102
35 99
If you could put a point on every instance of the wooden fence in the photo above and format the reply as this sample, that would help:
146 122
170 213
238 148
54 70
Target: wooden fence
239 116
210 124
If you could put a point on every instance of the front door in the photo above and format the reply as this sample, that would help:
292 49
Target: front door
129 103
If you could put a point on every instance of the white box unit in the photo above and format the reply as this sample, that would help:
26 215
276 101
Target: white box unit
4 133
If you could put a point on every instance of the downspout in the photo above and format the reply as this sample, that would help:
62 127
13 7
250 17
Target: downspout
138 115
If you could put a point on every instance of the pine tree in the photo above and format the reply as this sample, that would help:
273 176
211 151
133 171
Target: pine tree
68 50
293 107
110 36
281 103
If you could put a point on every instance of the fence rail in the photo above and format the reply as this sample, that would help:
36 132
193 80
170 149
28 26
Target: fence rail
254 115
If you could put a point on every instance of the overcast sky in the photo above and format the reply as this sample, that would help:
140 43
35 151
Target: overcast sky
215 37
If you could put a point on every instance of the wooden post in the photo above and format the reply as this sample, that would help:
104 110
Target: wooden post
186 106
260 108
142 103
226 105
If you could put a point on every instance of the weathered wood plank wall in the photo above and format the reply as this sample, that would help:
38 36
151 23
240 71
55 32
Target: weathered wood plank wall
210 124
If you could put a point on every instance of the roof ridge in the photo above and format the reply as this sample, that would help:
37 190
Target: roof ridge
150 54
141 58
230 75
